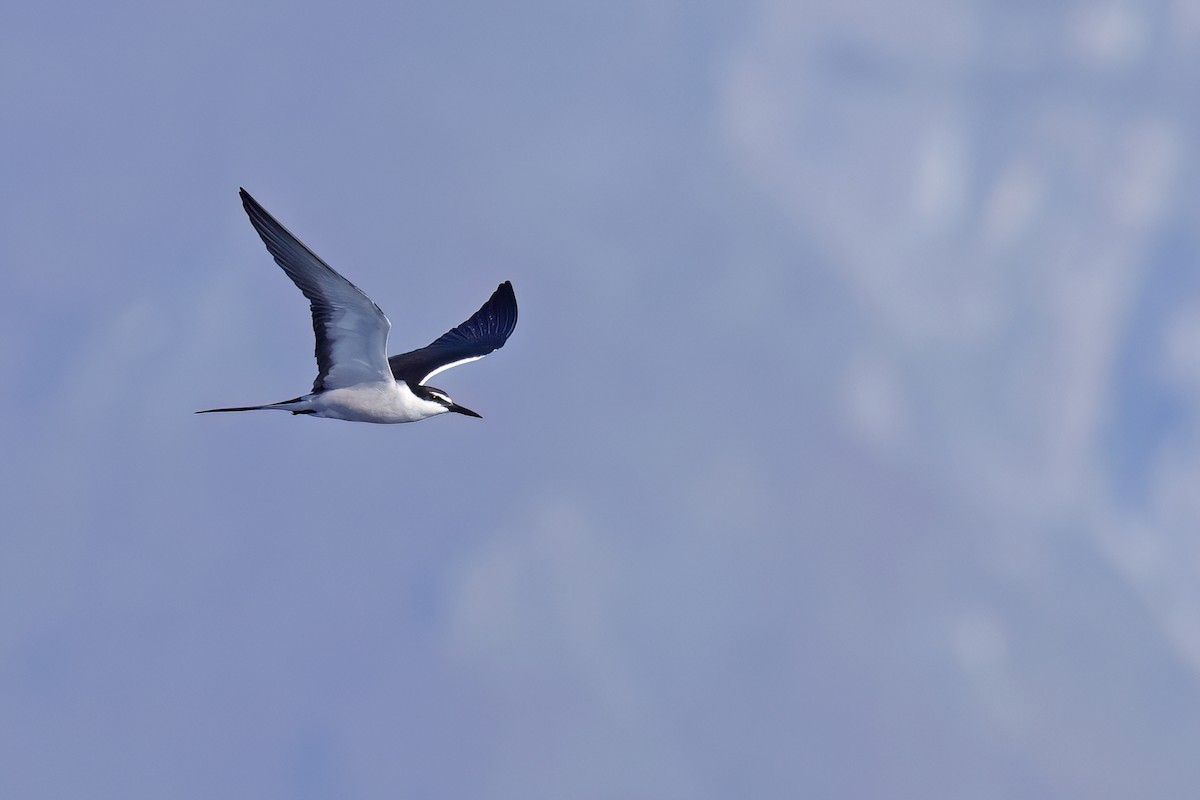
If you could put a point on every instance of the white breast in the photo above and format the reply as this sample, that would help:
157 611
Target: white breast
382 401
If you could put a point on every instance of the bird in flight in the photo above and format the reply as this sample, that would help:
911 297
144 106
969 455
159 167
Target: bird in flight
356 380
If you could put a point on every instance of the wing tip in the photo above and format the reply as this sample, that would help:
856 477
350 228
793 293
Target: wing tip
251 205
505 295
506 292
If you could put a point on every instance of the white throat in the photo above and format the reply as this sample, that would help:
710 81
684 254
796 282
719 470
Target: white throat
381 401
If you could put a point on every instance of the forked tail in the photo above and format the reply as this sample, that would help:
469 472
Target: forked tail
286 405
220 410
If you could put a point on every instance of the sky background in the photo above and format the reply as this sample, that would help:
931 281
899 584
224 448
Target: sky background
847 445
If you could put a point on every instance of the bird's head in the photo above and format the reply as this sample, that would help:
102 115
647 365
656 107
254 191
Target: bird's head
442 399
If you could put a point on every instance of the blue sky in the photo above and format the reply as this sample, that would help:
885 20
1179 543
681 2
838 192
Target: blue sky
846 446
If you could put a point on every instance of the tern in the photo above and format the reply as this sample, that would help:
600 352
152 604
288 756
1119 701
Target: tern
356 381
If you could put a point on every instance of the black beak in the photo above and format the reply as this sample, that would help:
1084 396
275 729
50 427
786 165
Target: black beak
457 408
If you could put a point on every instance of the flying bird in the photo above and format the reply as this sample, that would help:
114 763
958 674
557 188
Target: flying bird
356 380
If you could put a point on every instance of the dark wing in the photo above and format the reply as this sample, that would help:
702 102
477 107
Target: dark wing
351 331
486 330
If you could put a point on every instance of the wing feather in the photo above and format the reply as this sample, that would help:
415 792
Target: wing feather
351 331
486 330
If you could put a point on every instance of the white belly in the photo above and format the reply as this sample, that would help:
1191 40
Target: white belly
383 402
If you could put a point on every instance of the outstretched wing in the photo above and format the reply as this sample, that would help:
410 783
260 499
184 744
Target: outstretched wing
486 330
350 329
